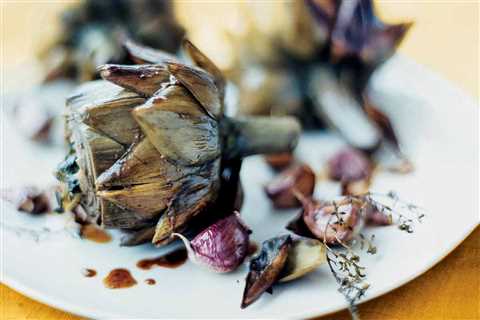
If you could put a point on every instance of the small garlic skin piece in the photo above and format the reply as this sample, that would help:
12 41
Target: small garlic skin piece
317 215
27 199
349 165
222 247
282 190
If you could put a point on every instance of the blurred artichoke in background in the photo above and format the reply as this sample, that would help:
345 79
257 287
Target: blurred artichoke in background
317 67
153 148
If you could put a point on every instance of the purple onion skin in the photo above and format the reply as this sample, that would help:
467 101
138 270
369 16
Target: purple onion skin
224 245
349 165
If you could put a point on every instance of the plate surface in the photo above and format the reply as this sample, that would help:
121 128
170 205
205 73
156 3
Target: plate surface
42 257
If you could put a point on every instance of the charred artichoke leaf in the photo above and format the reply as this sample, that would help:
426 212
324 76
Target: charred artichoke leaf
202 61
201 85
142 54
197 192
265 268
142 79
147 200
97 151
139 165
178 128
107 108
304 256
116 217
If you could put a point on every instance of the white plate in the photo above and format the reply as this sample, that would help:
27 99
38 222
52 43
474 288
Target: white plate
439 126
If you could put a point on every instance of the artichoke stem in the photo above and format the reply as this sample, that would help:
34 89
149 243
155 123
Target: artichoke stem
261 135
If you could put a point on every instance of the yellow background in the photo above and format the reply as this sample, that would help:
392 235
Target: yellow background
445 37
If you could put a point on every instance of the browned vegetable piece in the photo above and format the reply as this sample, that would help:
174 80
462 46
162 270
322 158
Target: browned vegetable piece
27 199
283 189
142 79
265 268
280 161
304 256
348 165
331 222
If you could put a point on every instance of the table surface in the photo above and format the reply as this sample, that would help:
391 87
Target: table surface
445 37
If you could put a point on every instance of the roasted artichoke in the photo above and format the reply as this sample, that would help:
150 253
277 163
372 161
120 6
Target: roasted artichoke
154 148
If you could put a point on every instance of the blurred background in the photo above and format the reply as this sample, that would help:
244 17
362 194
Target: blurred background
445 38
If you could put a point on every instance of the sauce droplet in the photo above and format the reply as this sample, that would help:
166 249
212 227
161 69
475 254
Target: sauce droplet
252 248
172 260
89 273
150 281
93 233
119 278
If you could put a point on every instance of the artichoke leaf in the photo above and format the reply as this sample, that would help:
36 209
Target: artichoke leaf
201 85
142 79
198 191
175 124
202 61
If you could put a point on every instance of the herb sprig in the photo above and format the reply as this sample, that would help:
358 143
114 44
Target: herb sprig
344 263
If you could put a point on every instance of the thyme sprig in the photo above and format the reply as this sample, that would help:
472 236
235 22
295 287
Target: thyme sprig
346 268
344 263
400 212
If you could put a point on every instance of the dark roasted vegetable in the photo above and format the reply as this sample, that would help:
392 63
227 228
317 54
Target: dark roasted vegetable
265 268
153 147
283 188
335 222
280 161
27 199
281 259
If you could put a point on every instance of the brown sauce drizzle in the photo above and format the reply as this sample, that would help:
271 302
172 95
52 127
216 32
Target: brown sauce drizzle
119 278
252 248
89 273
150 281
93 233
171 260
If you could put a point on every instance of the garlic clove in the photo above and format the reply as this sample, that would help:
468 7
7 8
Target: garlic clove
349 165
221 247
326 225
304 256
299 179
